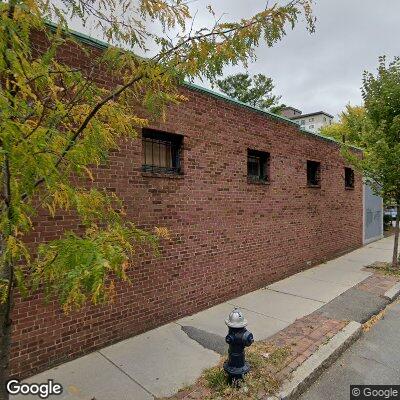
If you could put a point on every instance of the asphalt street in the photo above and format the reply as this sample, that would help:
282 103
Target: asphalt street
374 359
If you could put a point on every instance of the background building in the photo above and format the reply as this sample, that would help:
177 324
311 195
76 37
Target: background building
312 122
290 112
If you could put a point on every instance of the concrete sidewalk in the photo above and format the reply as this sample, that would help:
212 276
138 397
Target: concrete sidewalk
160 362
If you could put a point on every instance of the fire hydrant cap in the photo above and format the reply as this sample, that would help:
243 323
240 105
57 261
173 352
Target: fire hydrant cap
236 319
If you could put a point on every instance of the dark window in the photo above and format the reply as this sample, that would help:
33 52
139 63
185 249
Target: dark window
313 173
257 165
161 152
348 178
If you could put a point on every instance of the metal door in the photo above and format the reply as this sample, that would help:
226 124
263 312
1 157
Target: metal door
373 215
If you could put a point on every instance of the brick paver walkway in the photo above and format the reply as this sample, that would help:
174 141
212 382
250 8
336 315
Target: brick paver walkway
304 337
378 283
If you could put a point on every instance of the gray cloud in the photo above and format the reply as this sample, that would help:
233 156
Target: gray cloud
323 71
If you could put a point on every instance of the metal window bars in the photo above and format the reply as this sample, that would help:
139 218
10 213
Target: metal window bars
313 173
257 165
161 155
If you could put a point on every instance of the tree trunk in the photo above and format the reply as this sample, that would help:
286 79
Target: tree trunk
5 342
5 325
395 261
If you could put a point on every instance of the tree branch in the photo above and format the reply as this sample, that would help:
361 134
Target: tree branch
156 59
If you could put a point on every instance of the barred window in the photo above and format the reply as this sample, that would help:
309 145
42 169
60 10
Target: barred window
348 178
257 165
161 152
313 173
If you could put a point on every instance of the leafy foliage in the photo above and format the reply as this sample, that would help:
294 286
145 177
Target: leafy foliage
256 90
91 258
377 131
58 121
379 134
353 121
278 108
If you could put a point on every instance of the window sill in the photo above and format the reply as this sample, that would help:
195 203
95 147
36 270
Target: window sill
252 181
148 174
314 186
349 188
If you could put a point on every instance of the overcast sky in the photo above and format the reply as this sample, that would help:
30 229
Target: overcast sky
320 71
323 71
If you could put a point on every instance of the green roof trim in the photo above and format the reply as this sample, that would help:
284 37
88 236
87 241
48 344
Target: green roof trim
82 37
237 102
258 110
103 46
323 137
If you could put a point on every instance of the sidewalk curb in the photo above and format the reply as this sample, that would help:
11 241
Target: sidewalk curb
393 292
312 368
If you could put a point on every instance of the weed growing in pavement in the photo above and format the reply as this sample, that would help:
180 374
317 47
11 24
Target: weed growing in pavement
385 268
264 378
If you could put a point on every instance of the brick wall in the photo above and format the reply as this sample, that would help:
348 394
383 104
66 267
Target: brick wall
229 236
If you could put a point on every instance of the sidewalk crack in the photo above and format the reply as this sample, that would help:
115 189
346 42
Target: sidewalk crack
257 312
295 295
380 363
126 374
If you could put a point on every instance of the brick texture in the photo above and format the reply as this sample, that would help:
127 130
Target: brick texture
379 283
229 236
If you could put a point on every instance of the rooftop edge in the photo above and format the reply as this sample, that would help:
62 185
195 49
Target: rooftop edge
103 45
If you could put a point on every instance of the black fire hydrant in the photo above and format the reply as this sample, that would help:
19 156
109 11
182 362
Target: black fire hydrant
238 338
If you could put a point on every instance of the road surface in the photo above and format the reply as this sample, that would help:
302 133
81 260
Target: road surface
374 359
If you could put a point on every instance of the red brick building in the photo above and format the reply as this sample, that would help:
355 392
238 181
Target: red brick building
248 197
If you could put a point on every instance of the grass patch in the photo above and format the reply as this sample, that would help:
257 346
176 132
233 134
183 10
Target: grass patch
263 379
385 268
216 379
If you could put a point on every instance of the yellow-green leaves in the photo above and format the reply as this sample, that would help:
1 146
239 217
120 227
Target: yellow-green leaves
62 111
92 205
81 268
351 127
376 129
